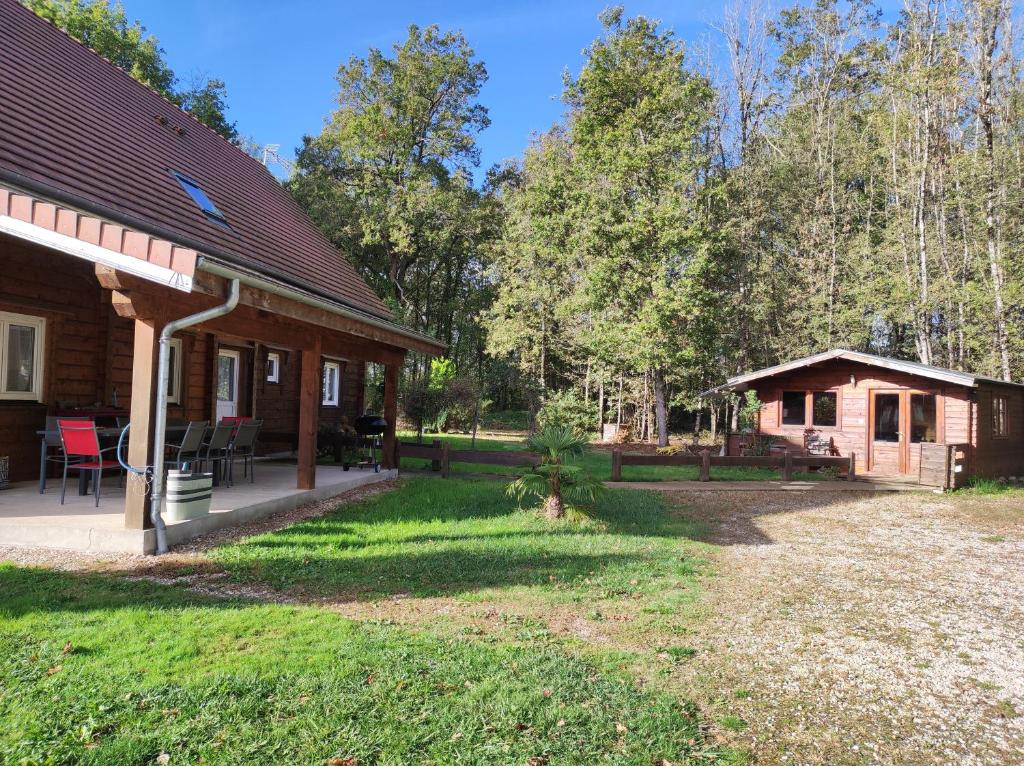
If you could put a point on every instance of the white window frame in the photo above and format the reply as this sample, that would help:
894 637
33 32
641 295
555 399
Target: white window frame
174 372
38 352
331 398
273 367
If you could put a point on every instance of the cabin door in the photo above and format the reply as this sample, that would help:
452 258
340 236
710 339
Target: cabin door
888 432
228 362
900 422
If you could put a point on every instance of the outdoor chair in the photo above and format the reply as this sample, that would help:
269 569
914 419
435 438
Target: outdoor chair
189 448
51 448
816 443
81 442
217 449
243 445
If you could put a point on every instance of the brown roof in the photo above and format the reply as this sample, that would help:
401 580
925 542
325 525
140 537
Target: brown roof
78 128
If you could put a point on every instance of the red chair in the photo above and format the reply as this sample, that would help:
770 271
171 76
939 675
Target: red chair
81 441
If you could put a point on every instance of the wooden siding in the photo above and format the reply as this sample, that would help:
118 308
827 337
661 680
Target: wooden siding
89 350
82 334
998 456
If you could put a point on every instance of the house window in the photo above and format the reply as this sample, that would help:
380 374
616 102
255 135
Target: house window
794 408
922 418
174 371
824 409
1000 418
273 367
331 384
21 356
195 191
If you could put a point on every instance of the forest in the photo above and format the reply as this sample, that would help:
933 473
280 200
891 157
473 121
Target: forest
821 175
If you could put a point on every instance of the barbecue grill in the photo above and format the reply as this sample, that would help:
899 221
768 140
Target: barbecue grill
366 442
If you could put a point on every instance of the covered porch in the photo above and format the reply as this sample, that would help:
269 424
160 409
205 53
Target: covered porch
31 519
91 304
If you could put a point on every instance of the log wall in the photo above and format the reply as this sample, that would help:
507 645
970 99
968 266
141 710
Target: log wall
89 349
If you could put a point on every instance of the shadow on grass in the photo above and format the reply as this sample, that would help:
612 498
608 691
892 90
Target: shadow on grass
96 669
441 571
453 537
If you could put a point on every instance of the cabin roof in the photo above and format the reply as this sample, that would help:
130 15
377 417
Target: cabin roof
957 377
76 129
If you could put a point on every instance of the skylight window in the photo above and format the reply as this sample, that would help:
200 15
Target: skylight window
195 191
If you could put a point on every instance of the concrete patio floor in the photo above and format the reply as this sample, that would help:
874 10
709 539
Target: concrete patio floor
30 519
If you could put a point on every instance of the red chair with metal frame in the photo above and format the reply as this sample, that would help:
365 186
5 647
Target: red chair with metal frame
81 441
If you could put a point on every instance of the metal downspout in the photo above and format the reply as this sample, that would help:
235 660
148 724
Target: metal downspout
160 424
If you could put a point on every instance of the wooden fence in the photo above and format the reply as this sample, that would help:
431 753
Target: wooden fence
704 460
441 456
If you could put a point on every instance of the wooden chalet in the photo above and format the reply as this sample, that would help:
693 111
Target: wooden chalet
120 213
894 415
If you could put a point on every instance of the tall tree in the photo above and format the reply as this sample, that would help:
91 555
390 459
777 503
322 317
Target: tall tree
638 119
388 178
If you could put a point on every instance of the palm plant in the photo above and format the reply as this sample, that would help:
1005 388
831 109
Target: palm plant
555 480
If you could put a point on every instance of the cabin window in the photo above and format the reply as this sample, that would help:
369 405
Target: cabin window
922 418
21 356
794 408
887 417
331 384
825 408
273 367
1000 418
174 371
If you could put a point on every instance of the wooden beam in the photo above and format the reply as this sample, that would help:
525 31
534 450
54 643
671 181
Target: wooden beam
144 359
390 457
250 296
263 322
309 410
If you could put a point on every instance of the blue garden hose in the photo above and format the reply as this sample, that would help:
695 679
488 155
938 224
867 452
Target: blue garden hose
144 471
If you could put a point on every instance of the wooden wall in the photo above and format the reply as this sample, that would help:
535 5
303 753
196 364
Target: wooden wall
82 332
89 355
998 457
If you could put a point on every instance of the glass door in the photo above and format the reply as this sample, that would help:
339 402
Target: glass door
900 422
227 383
888 434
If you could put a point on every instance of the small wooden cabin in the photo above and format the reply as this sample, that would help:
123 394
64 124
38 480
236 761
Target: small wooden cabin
888 412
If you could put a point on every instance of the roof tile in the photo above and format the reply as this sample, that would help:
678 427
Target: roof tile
76 126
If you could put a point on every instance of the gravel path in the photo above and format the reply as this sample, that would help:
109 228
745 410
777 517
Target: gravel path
870 629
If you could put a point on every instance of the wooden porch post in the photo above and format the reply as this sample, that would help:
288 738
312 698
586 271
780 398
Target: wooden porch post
309 411
140 437
390 414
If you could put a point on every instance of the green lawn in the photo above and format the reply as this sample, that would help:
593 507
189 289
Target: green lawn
597 461
467 538
450 650
99 671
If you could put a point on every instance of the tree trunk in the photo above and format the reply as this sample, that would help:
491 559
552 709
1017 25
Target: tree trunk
600 408
660 408
553 506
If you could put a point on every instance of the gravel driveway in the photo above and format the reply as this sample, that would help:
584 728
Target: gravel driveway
864 629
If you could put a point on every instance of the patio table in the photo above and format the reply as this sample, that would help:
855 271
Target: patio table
108 436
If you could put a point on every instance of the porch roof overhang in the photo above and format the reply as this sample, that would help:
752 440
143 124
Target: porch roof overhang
166 263
743 382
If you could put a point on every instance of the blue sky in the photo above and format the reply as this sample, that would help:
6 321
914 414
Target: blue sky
279 59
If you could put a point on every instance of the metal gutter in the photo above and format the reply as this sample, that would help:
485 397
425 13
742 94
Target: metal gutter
160 422
211 266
